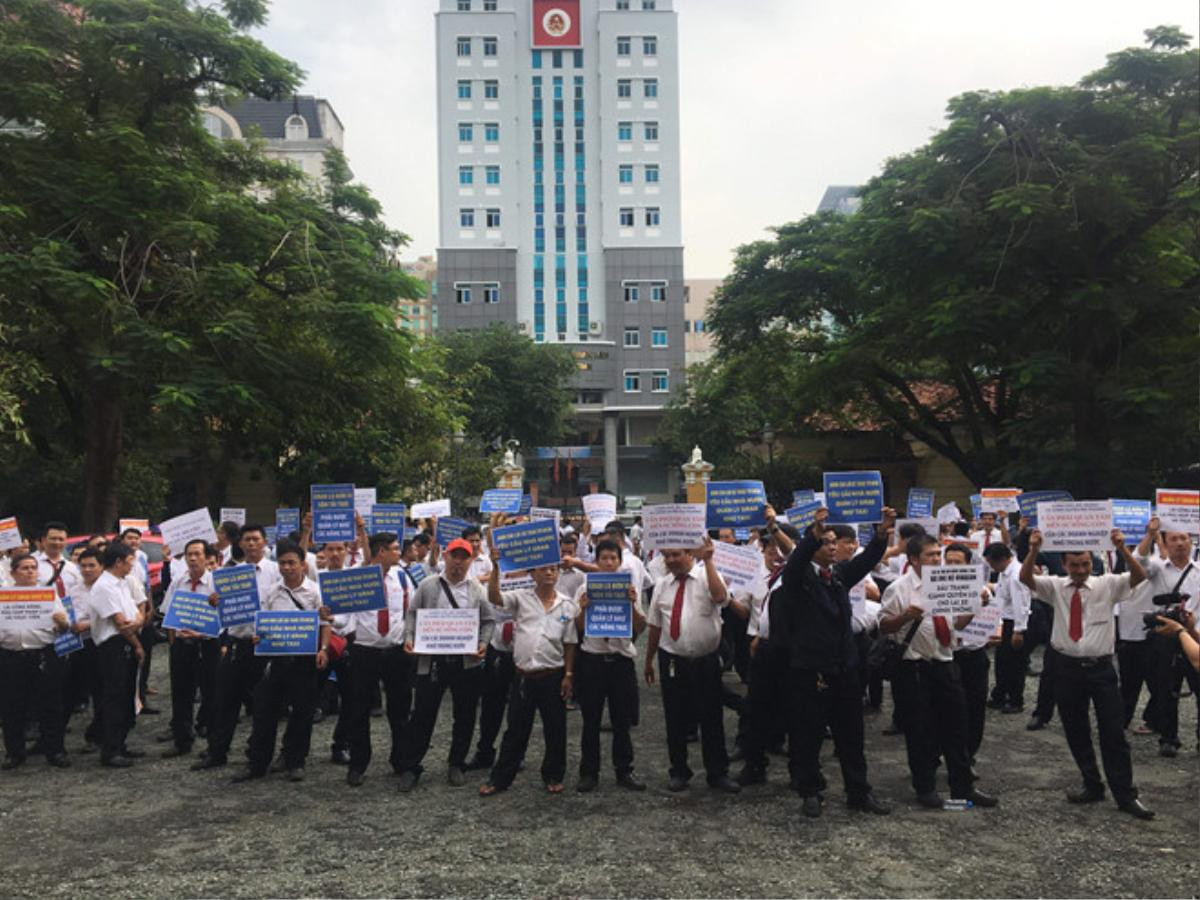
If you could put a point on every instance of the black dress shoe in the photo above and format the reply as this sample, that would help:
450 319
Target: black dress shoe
1136 808
12 763
892 729
979 798
812 807
58 760
677 784
296 774
479 762
175 752
132 754
751 775
995 703
165 738
1085 795
208 762
1037 723
932 800
1011 709
630 782
340 756
354 779
117 762
247 775
869 803
1168 750
725 783
279 766
587 784
149 711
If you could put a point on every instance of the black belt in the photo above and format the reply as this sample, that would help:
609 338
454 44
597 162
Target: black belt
1086 662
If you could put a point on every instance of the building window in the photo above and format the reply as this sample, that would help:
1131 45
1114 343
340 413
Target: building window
466 175
464 46
466 218
490 5
633 382
491 132
658 291
492 218
492 174
491 90
466 132
651 131
491 293
464 5
489 46
658 337
650 46
633 336
462 293
698 326
464 90
647 5
650 88
652 174
652 217
658 381
625 174
623 45
624 88
631 293
296 129
626 219
622 4
624 131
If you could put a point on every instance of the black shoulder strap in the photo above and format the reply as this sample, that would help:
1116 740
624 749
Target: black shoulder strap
62 564
912 630
1179 583
292 597
446 590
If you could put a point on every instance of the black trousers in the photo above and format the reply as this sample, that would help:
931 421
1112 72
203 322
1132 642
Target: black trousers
464 687
81 684
1135 660
498 673
147 637
736 645
343 678
1011 667
820 699
691 692
1075 686
238 672
541 695
973 666
31 686
1047 693
371 667
1168 671
605 678
193 665
935 724
765 707
118 675
1041 624
290 683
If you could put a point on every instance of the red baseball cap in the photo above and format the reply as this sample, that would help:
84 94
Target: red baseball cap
460 544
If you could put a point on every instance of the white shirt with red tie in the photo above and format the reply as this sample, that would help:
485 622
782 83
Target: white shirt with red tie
50 573
1094 630
384 628
699 617
984 538
904 592
187 584
266 574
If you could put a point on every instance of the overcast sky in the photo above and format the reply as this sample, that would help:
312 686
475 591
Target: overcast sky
779 97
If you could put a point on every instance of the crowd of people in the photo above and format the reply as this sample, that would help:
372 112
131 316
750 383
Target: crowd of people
814 639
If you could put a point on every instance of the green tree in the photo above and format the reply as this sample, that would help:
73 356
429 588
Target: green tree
1020 293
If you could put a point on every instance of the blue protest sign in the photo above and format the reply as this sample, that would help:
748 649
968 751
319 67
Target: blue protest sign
1027 503
417 573
976 506
286 521
287 632
799 498
735 504
609 613
1132 517
272 535
332 512
920 503
237 588
389 517
68 642
527 545
355 590
854 497
526 505
500 500
803 515
448 529
866 533
191 612
741 534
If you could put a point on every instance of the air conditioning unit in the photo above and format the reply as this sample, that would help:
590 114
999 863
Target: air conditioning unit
522 326
594 328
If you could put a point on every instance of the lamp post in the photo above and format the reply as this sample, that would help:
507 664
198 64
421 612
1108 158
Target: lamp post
457 439
768 435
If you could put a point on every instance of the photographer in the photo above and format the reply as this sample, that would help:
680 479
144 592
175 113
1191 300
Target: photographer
1174 582
1185 634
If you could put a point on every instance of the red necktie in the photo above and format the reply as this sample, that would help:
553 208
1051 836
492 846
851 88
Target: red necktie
1075 628
677 609
987 539
383 622
59 587
942 630
827 575
506 633
196 582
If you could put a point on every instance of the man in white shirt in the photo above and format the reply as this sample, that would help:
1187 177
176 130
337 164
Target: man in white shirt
192 657
143 596
970 654
1083 636
31 677
927 684
54 569
544 639
82 667
685 633
607 674
115 623
335 554
1012 659
452 589
481 563
991 530
1177 576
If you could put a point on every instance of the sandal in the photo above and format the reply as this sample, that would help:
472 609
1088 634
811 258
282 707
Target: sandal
556 788
487 789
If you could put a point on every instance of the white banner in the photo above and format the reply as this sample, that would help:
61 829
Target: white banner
984 625
194 526
364 501
930 526
673 525
741 567
542 512
1076 525
999 500
433 509
950 590
1178 510
600 510
25 607
235 514
10 535
447 631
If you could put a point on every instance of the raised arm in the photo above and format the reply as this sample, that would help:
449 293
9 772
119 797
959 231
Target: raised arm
852 571
1137 574
1035 546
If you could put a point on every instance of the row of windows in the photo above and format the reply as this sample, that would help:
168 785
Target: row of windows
491 89
556 58
650 172
466 132
633 337
464 292
653 216
697 326
491 45
625 131
490 5
659 381
466 218
633 291
466 175
625 88
647 5
625 45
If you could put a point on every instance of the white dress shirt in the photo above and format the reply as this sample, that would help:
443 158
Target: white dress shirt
282 598
1014 598
1098 595
700 618
539 634
1129 613
33 636
110 595
366 624
983 538
184 582
81 604
70 572
481 567
899 596
1163 575
602 646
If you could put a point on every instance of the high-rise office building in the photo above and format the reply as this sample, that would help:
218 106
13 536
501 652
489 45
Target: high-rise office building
558 142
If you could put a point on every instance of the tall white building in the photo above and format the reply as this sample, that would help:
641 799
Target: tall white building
559 191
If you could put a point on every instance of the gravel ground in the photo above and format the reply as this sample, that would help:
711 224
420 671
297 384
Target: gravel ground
161 830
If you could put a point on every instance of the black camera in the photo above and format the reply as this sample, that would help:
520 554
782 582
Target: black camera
1150 620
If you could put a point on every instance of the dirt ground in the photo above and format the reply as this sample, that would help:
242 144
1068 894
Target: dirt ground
161 830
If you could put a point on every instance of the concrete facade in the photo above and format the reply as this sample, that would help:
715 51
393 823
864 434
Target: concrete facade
697 297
